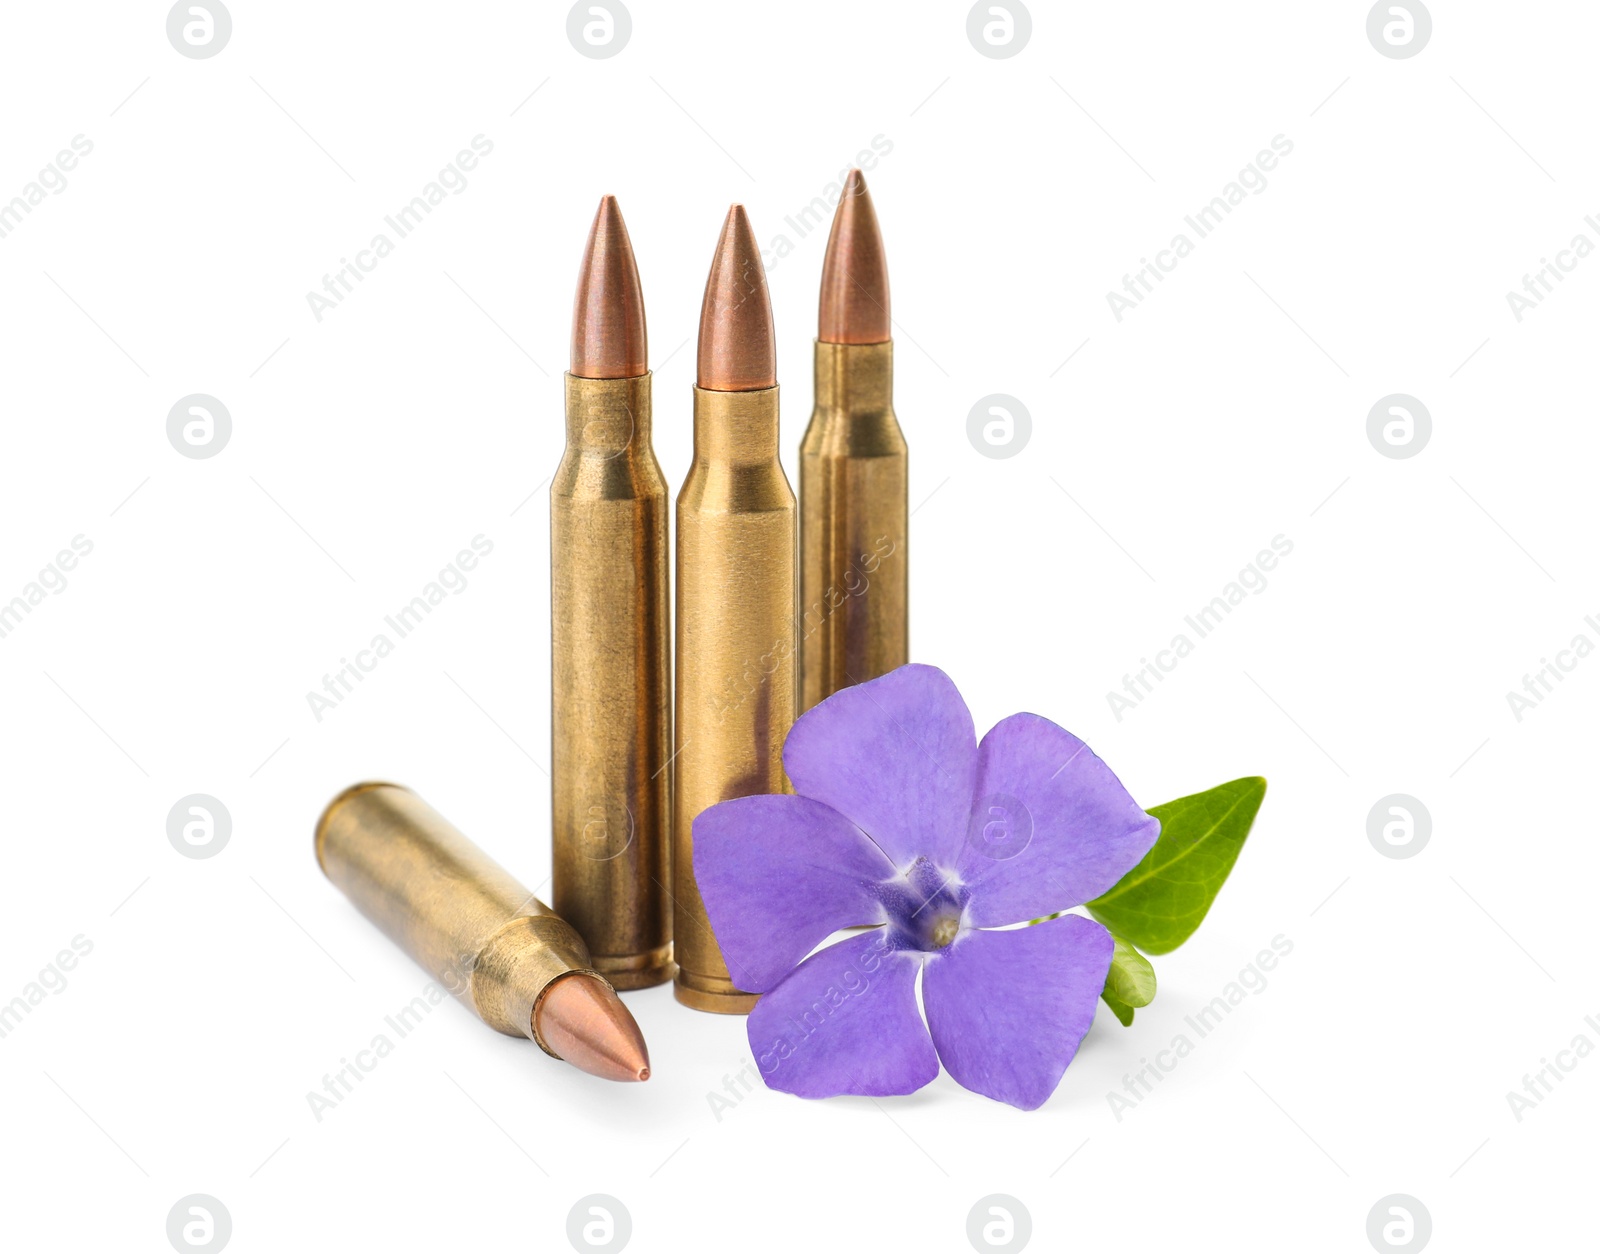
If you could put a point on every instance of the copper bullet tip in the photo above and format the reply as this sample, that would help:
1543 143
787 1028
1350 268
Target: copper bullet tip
585 1023
608 335
738 351
855 276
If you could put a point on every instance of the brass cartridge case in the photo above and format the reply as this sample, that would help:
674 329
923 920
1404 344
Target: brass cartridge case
853 524
736 650
610 682
465 920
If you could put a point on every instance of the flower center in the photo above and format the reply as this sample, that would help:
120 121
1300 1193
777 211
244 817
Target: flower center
925 906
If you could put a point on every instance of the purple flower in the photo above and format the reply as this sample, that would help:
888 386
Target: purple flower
904 822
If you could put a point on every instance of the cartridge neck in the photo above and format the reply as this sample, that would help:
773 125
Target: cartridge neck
857 379
736 428
518 964
608 416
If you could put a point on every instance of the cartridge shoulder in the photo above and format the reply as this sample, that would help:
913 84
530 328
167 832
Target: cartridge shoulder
837 432
587 474
728 488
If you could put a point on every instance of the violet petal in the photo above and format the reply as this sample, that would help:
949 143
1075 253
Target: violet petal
846 1021
1007 1009
779 875
1052 827
897 755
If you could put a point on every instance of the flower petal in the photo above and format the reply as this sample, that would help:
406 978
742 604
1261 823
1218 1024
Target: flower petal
779 875
897 755
1052 827
1007 1009
846 1021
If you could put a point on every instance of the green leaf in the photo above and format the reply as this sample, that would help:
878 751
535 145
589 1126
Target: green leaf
1130 982
1159 903
1120 1008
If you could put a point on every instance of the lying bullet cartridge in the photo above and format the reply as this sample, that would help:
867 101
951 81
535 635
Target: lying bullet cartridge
514 963
609 678
853 519
736 658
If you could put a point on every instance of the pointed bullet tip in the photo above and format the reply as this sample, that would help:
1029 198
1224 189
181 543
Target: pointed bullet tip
738 349
581 1018
608 326
854 307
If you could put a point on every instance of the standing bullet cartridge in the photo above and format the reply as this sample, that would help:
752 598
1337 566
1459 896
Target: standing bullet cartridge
609 689
853 519
736 646
483 936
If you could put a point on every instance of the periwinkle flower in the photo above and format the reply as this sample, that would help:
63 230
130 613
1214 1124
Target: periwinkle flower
903 822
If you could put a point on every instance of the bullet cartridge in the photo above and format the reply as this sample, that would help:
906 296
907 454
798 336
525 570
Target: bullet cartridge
853 476
610 678
513 962
736 645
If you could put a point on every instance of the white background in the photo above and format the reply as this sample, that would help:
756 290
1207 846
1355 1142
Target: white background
369 447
